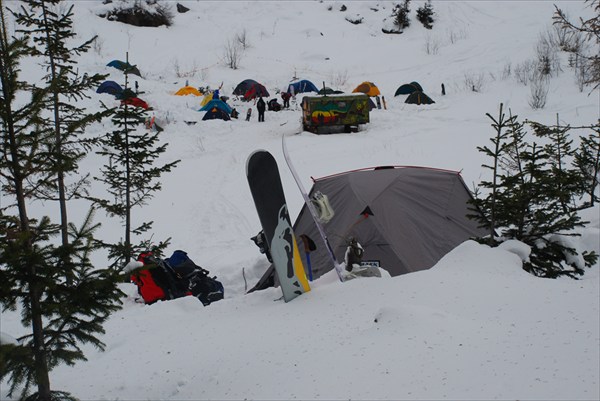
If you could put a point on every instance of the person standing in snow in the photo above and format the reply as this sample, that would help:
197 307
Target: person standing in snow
260 106
285 96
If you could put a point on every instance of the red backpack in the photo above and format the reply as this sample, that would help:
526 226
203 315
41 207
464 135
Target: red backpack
150 282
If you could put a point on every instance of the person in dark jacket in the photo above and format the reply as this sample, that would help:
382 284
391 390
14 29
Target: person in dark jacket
285 96
260 106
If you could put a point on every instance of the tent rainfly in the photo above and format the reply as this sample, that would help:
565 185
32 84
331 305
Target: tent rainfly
218 103
418 97
301 86
405 218
407 89
216 113
188 90
368 88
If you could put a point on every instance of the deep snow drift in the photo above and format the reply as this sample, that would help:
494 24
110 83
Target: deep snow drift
475 326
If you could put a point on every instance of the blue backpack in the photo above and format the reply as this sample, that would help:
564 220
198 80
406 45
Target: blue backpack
197 280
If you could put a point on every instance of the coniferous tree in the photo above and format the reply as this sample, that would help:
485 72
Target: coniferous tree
130 175
401 15
529 200
500 143
587 161
19 138
49 23
63 298
566 188
425 15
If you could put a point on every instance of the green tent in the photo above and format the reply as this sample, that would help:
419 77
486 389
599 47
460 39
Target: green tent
418 97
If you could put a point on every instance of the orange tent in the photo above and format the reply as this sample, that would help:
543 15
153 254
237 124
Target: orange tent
368 88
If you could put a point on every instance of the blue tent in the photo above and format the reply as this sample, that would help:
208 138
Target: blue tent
302 86
218 103
110 87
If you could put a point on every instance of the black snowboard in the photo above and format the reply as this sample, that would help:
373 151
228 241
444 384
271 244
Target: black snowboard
269 199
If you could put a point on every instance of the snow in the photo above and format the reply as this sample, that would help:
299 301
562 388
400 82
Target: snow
475 326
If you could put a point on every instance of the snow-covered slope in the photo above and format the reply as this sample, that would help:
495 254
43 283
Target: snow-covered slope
473 327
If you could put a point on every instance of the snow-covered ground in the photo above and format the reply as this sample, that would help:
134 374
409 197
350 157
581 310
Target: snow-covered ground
475 326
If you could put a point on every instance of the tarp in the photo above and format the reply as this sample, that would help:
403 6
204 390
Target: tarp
407 89
368 88
405 218
418 97
110 87
218 104
125 67
136 102
188 90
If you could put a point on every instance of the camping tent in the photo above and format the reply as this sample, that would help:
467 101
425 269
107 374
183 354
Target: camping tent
368 88
110 87
207 98
125 67
418 97
216 113
301 86
188 90
405 218
256 90
218 103
244 86
328 91
407 89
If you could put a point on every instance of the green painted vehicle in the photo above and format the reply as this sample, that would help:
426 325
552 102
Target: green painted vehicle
335 113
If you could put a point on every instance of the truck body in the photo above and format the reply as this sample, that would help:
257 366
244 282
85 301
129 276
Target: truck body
335 113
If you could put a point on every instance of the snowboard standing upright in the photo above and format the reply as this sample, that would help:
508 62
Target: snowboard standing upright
269 199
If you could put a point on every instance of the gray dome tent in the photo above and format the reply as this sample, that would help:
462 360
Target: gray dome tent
405 218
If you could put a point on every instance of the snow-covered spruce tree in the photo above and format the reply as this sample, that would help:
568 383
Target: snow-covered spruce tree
131 176
400 14
49 23
487 206
567 188
524 203
64 299
425 14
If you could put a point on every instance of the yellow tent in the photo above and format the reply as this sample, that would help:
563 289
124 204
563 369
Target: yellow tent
368 88
207 98
188 90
